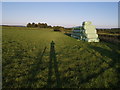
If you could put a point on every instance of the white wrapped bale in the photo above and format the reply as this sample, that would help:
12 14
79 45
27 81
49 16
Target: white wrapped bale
92 40
87 23
89 29
87 32
90 32
92 35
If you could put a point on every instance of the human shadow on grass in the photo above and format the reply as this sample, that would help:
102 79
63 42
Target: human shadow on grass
36 68
53 64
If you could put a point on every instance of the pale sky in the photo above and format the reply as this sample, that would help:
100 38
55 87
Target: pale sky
67 14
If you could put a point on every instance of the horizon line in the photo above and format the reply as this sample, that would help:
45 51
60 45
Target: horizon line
53 25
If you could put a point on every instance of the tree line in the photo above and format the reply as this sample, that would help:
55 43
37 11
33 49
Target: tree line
40 25
45 25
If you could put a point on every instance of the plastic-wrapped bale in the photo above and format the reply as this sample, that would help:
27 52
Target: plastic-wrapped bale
87 23
89 29
87 32
92 39
90 34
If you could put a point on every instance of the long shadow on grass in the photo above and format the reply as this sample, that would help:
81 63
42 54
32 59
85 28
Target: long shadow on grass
105 53
36 68
55 66
113 54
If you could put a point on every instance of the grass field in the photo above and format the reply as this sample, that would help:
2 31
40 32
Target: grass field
30 60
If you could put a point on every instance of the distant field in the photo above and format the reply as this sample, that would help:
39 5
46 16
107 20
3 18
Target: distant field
29 61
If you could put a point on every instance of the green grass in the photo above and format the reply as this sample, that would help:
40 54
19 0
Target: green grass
28 60
109 34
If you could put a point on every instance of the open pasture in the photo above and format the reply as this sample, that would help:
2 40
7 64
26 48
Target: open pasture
30 60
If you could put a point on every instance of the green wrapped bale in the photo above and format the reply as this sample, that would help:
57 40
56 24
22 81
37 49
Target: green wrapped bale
87 32
90 32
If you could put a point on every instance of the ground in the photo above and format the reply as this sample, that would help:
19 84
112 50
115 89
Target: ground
42 58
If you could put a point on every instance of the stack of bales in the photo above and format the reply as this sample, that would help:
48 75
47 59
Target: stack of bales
89 32
76 33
